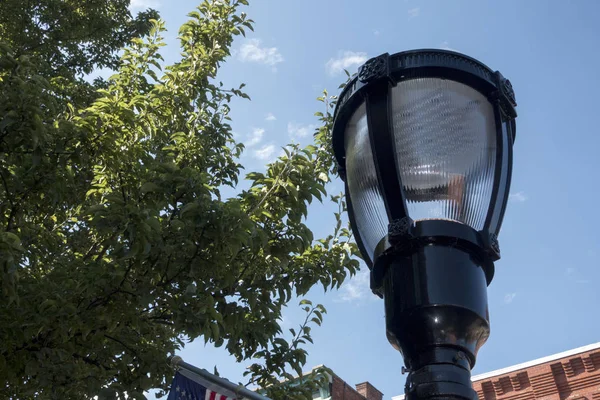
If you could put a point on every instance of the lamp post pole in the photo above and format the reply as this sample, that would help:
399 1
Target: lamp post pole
424 142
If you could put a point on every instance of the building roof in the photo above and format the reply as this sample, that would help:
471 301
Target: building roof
528 364
538 361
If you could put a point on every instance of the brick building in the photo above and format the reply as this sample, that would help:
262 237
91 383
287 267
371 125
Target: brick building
337 389
573 375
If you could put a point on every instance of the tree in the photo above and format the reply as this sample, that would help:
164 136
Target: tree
116 244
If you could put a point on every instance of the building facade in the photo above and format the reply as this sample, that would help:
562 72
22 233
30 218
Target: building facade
572 375
362 391
335 388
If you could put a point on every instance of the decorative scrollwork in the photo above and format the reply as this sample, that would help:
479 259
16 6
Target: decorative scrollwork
508 91
373 69
399 228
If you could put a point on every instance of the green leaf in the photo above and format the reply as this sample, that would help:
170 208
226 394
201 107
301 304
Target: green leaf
11 238
107 394
191 289
149 187
215 331
189 208
267 214
177 224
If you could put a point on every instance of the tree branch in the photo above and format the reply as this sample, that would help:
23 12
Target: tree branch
187 266
104 249
88 360
122 344
103 301
13 207
122 187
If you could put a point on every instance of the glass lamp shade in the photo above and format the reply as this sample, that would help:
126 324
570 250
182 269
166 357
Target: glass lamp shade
365 195
445 145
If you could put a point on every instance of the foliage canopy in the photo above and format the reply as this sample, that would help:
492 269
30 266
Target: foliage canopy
115 242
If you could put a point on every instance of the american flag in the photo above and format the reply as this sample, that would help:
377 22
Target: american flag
189 386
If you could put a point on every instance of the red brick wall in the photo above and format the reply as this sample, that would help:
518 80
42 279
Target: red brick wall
340 390
368 391
576 377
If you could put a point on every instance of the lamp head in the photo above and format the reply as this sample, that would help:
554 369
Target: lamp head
424 143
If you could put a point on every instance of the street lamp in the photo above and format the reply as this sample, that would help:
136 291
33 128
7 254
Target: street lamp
424 142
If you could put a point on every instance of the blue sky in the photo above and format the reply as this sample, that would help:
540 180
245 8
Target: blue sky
545 293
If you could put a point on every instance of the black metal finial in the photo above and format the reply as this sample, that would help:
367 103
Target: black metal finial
374 68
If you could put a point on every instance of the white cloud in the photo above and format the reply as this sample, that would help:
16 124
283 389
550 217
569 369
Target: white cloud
376 32
143 4
252 51
509 297
518 197
414 12
357 288
574 275
265 152
255 137
445 45
345 60
270 117
299 131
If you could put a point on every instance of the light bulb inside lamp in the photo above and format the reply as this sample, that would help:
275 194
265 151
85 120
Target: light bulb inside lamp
445 138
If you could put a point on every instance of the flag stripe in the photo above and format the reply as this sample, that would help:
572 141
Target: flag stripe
190 386
210 395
